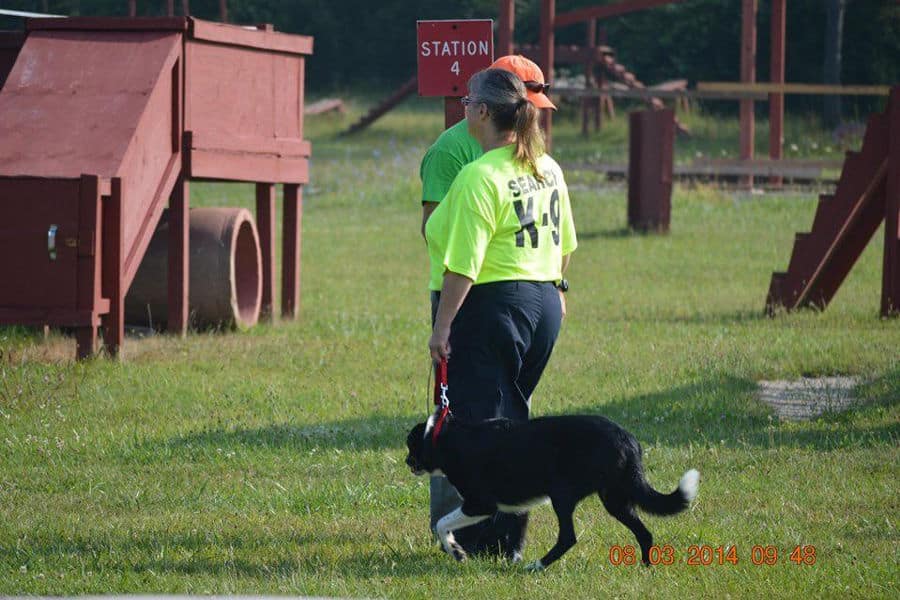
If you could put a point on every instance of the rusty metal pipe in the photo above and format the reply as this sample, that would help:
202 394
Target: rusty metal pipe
225 286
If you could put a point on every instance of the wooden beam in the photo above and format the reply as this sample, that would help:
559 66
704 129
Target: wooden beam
608 10
776 69
506 26
748 75
548 15
811 89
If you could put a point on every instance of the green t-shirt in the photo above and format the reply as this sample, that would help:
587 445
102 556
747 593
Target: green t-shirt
453 149
498 223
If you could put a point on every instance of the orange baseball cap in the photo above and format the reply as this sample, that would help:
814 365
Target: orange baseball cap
529 73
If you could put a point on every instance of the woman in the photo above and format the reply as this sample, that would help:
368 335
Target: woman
500 240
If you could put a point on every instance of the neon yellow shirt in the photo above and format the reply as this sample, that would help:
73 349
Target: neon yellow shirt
498 223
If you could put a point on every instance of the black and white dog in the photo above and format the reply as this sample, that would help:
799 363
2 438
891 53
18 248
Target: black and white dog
498 465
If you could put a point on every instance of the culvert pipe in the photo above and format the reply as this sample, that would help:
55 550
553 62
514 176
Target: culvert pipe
225 272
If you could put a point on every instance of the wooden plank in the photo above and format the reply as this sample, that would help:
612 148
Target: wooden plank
890 278
179 257
291 237
251 37
108 24
608 10
265 224
228 166
113 255
756 167
793 88
648 93
51 316
212 140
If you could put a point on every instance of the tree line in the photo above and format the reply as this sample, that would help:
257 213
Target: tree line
361 43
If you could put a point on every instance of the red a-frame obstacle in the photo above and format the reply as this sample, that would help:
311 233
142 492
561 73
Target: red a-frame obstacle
867 193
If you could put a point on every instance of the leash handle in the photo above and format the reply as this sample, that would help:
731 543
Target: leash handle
440 384
440 398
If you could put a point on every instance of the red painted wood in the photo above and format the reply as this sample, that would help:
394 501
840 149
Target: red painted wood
454 111
234 35
548 24
265 224
52 316
179 258
506 26
650 152
290 253
443 63
776 69
748 75
89 227
85 342
608 10
113 249
890 282
30 207
247 167
105 24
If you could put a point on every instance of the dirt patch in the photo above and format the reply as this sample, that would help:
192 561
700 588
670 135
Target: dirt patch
809 397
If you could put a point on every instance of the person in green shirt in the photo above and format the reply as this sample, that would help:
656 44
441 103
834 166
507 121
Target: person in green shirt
452 150
499 243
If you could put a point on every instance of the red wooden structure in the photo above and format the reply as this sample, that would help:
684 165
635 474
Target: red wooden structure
105 120
867 194
550 21
651 147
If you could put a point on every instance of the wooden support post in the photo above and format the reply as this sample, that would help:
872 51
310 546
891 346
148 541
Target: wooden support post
113 264
506 26
89 268
132 8
454 111
748 75
589 104
265 223
776 101
170 8
548 18
291 238
179 257
890 283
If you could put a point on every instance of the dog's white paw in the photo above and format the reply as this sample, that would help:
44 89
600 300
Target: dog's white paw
535 567
452 548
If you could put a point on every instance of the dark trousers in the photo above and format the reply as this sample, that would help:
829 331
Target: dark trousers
500 342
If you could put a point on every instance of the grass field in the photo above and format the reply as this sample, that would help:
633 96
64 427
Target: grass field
271 460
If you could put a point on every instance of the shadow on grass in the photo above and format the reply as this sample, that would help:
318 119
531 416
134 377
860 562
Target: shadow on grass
372 433
607 234
725 411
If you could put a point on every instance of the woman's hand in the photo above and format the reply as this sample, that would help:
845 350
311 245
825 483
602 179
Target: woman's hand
439 344
562 302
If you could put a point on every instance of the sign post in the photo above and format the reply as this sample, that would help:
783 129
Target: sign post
448 54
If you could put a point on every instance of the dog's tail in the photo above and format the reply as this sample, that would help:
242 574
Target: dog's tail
667 504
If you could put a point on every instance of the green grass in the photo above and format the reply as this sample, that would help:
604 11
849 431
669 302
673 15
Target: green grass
271 460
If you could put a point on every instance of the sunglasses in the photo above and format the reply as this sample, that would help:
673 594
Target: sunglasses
467 100
537 86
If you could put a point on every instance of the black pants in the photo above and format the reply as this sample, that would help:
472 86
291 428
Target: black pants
500 342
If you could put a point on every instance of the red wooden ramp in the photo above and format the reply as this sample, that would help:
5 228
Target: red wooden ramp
102 122
866 195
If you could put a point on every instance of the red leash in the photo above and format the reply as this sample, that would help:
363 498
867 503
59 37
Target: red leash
440 398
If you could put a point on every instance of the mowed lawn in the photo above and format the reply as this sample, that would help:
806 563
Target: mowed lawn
271 460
